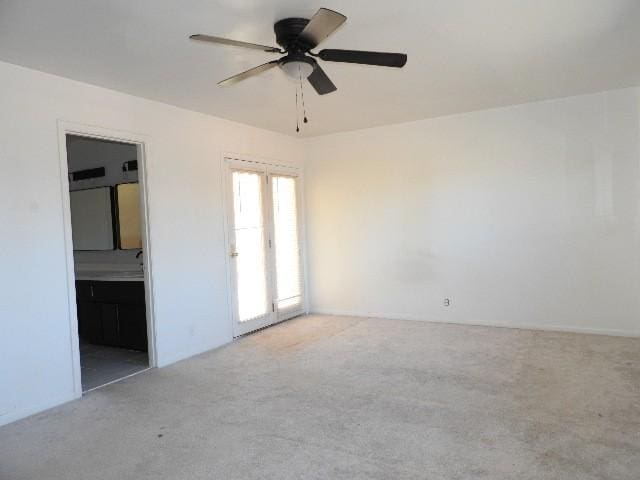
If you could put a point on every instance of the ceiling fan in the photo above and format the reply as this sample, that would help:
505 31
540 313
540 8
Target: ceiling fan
297 37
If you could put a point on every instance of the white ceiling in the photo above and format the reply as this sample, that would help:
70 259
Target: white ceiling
463 54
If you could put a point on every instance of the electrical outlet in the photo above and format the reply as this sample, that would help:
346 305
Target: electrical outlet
447 302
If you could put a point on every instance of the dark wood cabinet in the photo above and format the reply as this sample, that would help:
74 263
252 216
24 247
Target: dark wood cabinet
112 313
89 318
130 326
109 329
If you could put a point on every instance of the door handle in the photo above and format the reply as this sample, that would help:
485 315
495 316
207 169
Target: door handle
233 254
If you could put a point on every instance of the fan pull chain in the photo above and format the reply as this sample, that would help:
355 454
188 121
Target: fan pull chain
304 110
297 126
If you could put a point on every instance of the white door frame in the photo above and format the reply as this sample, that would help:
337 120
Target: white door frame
227 161
143 146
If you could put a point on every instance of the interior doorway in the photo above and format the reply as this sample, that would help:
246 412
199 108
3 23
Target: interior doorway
106 210
265 244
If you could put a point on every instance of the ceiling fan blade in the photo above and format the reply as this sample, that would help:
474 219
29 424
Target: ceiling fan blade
321 25
249 73
367 58
320 82
235 43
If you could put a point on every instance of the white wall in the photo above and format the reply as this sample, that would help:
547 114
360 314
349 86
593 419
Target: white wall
185 220
526 216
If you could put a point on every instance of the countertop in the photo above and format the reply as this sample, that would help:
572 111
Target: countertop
106 276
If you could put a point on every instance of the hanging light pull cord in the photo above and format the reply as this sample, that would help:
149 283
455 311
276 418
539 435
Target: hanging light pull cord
304 110
297 126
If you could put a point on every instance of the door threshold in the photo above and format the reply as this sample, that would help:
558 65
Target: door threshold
279 322
117 380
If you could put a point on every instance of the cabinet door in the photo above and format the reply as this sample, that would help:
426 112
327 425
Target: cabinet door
109 323
84 290
89 321
119 292
133 327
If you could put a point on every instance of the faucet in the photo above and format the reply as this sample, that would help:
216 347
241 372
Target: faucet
138 255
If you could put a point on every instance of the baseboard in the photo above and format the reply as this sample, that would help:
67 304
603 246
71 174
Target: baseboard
543 328
165 359
15 415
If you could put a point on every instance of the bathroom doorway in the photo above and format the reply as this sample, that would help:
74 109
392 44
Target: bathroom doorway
107 214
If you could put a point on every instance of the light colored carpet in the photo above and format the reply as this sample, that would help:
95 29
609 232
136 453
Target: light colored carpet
346 398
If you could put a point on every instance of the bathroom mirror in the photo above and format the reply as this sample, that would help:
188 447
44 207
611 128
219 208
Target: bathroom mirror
128 213
92 219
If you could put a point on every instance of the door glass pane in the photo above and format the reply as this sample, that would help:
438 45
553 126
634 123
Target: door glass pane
287 246
250 270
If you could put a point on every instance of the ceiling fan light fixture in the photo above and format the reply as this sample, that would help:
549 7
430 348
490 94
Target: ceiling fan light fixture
297 68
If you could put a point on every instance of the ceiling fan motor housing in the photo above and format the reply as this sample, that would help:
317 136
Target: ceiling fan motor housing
288 32
296 64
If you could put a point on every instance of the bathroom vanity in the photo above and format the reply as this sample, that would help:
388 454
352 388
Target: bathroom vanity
111 309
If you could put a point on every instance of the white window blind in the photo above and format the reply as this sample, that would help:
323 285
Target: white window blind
287 243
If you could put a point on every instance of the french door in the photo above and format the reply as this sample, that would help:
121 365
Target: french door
263 219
